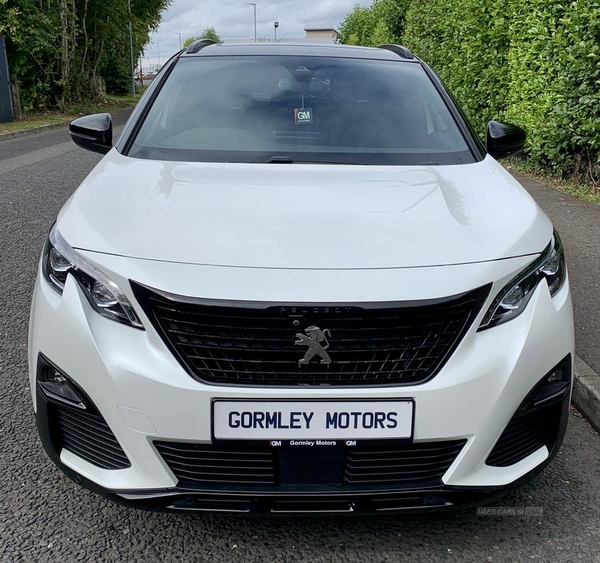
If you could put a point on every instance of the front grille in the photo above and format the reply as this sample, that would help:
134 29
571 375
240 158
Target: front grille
524 434
403 343
87 435
404 466
421 462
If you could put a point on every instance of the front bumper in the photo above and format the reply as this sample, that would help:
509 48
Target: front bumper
145 396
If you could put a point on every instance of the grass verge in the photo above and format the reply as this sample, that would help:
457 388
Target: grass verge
579 187
109 104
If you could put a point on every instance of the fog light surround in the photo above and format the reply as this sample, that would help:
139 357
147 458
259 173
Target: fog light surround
56 386
554 385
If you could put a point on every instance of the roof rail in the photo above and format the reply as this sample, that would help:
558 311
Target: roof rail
398 49
200 44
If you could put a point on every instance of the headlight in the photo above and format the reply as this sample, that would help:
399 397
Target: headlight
60 260
513 299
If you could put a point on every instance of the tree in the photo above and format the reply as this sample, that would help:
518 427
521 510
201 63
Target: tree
382 22
65 51
189 41
208 33
357 26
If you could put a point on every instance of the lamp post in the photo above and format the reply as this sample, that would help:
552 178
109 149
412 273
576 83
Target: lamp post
177 33
275 26
131 50
253 4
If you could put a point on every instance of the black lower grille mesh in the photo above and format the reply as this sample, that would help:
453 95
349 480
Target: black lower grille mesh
421 462
88 436
403 343
198 464
408 465
524 434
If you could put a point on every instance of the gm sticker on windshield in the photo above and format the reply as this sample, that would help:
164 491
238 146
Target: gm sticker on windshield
303 115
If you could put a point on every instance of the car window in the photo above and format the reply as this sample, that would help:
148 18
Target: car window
300 109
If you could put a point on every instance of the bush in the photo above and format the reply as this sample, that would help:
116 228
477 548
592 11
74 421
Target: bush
381 23
467 44
533 62
554 66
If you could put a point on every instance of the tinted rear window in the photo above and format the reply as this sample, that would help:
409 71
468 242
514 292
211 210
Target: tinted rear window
300 109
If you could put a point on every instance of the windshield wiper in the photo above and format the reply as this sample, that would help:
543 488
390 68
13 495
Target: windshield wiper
283 159
280 160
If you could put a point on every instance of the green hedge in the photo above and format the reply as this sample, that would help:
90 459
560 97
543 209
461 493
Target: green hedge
466 42
554 65
382 22
535 63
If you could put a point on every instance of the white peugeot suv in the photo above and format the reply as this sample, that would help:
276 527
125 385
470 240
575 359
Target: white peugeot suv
299 282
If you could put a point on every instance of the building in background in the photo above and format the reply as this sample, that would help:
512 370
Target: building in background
321 34
313 35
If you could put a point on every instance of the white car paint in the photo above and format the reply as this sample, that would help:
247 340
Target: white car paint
303 216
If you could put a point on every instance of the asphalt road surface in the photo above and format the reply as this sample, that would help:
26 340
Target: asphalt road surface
45 517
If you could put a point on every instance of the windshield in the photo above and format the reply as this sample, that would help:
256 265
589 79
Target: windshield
300 109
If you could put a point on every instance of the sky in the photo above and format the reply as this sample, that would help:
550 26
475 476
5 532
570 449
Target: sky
234 19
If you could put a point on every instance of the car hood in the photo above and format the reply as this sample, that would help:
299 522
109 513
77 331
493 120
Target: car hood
303 216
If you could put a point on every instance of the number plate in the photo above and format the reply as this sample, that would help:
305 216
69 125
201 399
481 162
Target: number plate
316 420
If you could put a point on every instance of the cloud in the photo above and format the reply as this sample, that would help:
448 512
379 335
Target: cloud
234 19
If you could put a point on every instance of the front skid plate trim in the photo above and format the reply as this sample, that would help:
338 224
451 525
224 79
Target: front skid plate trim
301 502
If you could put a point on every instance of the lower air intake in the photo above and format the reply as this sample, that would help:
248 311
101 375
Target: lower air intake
414 463
266 468
200 464
88 436
539 421
525 434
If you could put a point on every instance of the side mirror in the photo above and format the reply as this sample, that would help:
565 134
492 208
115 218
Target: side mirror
504 139
93 132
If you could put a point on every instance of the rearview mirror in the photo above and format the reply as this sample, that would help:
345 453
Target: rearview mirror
93 132
504 139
